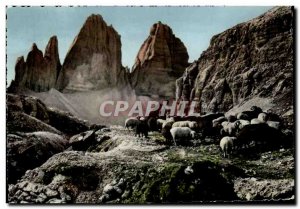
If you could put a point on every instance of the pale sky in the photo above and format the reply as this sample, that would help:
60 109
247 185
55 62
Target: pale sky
193 25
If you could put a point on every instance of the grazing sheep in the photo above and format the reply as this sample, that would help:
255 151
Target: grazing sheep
230 128
152 123
259 134
165 131
226 145
131 122
169 121
253 113
217 122
182 133
205 121
142 128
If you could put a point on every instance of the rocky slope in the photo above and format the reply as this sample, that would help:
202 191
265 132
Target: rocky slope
161 59
114 166
249 61
39 72
35 133
93 61
54 157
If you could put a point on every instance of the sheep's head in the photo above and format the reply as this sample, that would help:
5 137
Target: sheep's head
237 124
193 124
262 117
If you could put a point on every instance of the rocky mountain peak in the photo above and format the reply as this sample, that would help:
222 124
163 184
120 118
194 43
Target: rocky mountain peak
93 61
38 73
51 50
161 59
34 47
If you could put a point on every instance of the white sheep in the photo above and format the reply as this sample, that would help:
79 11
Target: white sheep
230 127
262 117
226 145
243 123
131 122
190 124
193 125
256 121
181 124
182 133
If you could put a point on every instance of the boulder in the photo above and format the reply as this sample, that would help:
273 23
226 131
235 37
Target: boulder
21 122
255 189
66 122
83 140
29 150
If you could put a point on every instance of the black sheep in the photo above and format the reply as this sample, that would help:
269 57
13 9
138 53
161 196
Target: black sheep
252 113
165 131
152 124
142 128
260 134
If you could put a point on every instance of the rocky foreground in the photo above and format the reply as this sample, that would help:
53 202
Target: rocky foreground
54 157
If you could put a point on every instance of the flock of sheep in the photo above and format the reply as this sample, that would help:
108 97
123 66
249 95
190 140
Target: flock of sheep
234 132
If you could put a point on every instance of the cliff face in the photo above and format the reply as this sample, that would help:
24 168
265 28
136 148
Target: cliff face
38 73
252 59
94 59
161 59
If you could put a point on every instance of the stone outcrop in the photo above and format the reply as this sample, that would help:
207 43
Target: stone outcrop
28 150
254 189
29 114
93 61
252 59
39 72
161 59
